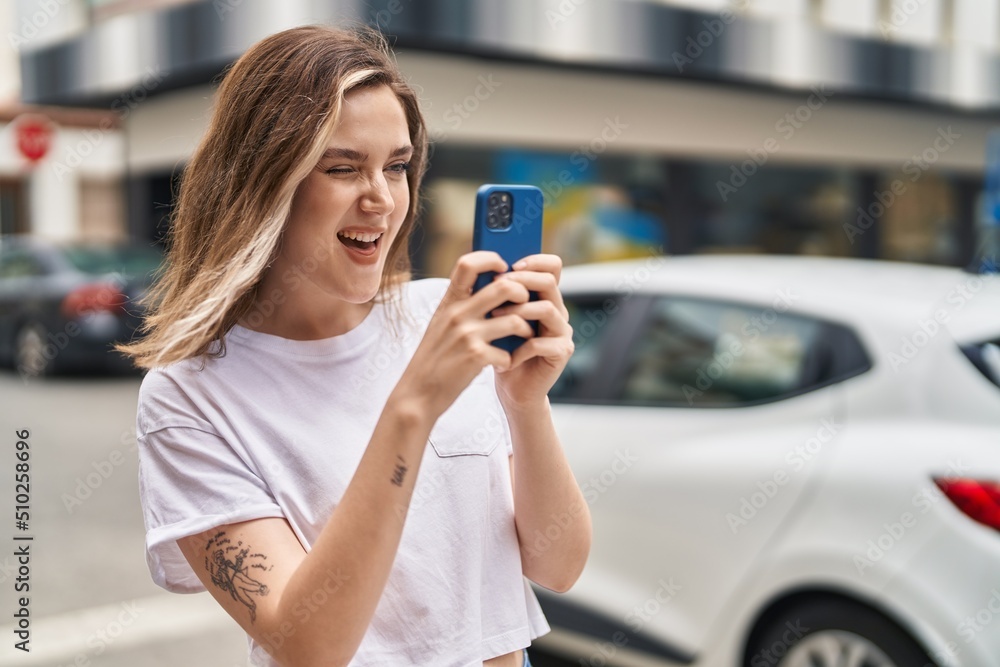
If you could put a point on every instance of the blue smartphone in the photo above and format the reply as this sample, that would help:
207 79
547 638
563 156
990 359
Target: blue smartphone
508 222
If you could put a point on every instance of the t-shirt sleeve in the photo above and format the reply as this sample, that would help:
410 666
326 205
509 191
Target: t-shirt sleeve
190 480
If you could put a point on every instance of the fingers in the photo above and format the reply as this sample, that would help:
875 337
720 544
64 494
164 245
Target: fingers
507 325
555 350
496 294
547 313
546 284
463 279
467 268
542 262
539 273
542 282
496 357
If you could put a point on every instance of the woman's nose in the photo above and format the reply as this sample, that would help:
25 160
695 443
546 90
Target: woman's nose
377 198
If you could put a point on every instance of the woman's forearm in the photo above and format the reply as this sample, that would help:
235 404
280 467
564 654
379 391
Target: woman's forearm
552 517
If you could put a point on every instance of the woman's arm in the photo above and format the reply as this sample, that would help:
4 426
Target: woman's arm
553 521
552 517
313 609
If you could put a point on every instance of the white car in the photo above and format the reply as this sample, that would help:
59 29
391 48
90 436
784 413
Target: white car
789 461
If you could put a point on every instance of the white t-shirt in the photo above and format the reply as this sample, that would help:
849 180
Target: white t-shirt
277 427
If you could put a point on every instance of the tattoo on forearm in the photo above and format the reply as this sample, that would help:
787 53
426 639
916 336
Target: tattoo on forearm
399 472
231 567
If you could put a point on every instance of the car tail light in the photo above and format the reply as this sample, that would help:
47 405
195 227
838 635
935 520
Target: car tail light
979 499
95 297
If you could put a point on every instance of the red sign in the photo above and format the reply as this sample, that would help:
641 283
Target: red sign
34 134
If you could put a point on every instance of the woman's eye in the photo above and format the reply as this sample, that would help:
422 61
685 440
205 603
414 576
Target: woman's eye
400 168
340 170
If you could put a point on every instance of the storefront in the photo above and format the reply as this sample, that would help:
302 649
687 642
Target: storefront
61 173
862 151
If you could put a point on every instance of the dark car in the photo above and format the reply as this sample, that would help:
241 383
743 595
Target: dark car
64 304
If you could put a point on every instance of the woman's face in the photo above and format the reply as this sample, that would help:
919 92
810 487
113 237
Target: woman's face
346 214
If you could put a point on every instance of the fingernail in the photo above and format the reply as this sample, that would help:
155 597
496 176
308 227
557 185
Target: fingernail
520 264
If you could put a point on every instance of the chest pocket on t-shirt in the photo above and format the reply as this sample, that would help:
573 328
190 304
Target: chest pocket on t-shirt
472 424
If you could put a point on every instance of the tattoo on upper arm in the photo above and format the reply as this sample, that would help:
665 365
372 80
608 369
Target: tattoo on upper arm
231 568
399 472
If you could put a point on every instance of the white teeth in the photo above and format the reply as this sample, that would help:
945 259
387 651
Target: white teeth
360 236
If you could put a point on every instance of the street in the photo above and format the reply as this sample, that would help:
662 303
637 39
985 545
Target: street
91 599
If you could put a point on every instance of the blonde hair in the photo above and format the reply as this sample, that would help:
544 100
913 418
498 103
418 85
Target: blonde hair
275 111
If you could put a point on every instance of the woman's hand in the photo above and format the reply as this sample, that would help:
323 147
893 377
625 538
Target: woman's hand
537 363
456 345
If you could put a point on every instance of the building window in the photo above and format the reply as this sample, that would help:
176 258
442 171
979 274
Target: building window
920 218
596 208
623 206
13 216
102 214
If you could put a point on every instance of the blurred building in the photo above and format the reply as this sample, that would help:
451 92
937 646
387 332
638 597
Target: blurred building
830 127
61 168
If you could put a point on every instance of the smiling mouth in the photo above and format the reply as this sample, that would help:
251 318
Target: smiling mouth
361 241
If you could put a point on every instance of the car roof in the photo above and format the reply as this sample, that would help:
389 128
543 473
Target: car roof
859 290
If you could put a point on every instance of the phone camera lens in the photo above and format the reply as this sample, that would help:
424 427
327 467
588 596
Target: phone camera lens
499 206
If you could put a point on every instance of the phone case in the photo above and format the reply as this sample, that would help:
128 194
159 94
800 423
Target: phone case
523 237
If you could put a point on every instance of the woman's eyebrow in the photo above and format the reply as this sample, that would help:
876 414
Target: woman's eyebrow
346 153
358 156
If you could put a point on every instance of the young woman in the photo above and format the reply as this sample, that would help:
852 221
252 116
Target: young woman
334 451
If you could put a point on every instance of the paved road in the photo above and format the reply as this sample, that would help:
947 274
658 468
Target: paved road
92 602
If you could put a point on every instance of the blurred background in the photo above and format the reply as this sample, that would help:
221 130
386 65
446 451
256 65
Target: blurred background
646 107
854 129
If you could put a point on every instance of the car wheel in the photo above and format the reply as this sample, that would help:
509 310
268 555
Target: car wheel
29 350
830 633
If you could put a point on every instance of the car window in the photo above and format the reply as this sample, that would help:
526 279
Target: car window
593 318
702 353
985 356
19 264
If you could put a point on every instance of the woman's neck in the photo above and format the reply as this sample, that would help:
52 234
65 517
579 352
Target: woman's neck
305 324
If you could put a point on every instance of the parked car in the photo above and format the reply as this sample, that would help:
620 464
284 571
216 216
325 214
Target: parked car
789 461
62 305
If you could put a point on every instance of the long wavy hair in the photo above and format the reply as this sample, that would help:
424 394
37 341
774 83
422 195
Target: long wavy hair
275 111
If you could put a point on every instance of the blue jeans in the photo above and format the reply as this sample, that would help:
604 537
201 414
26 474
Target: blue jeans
527 663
